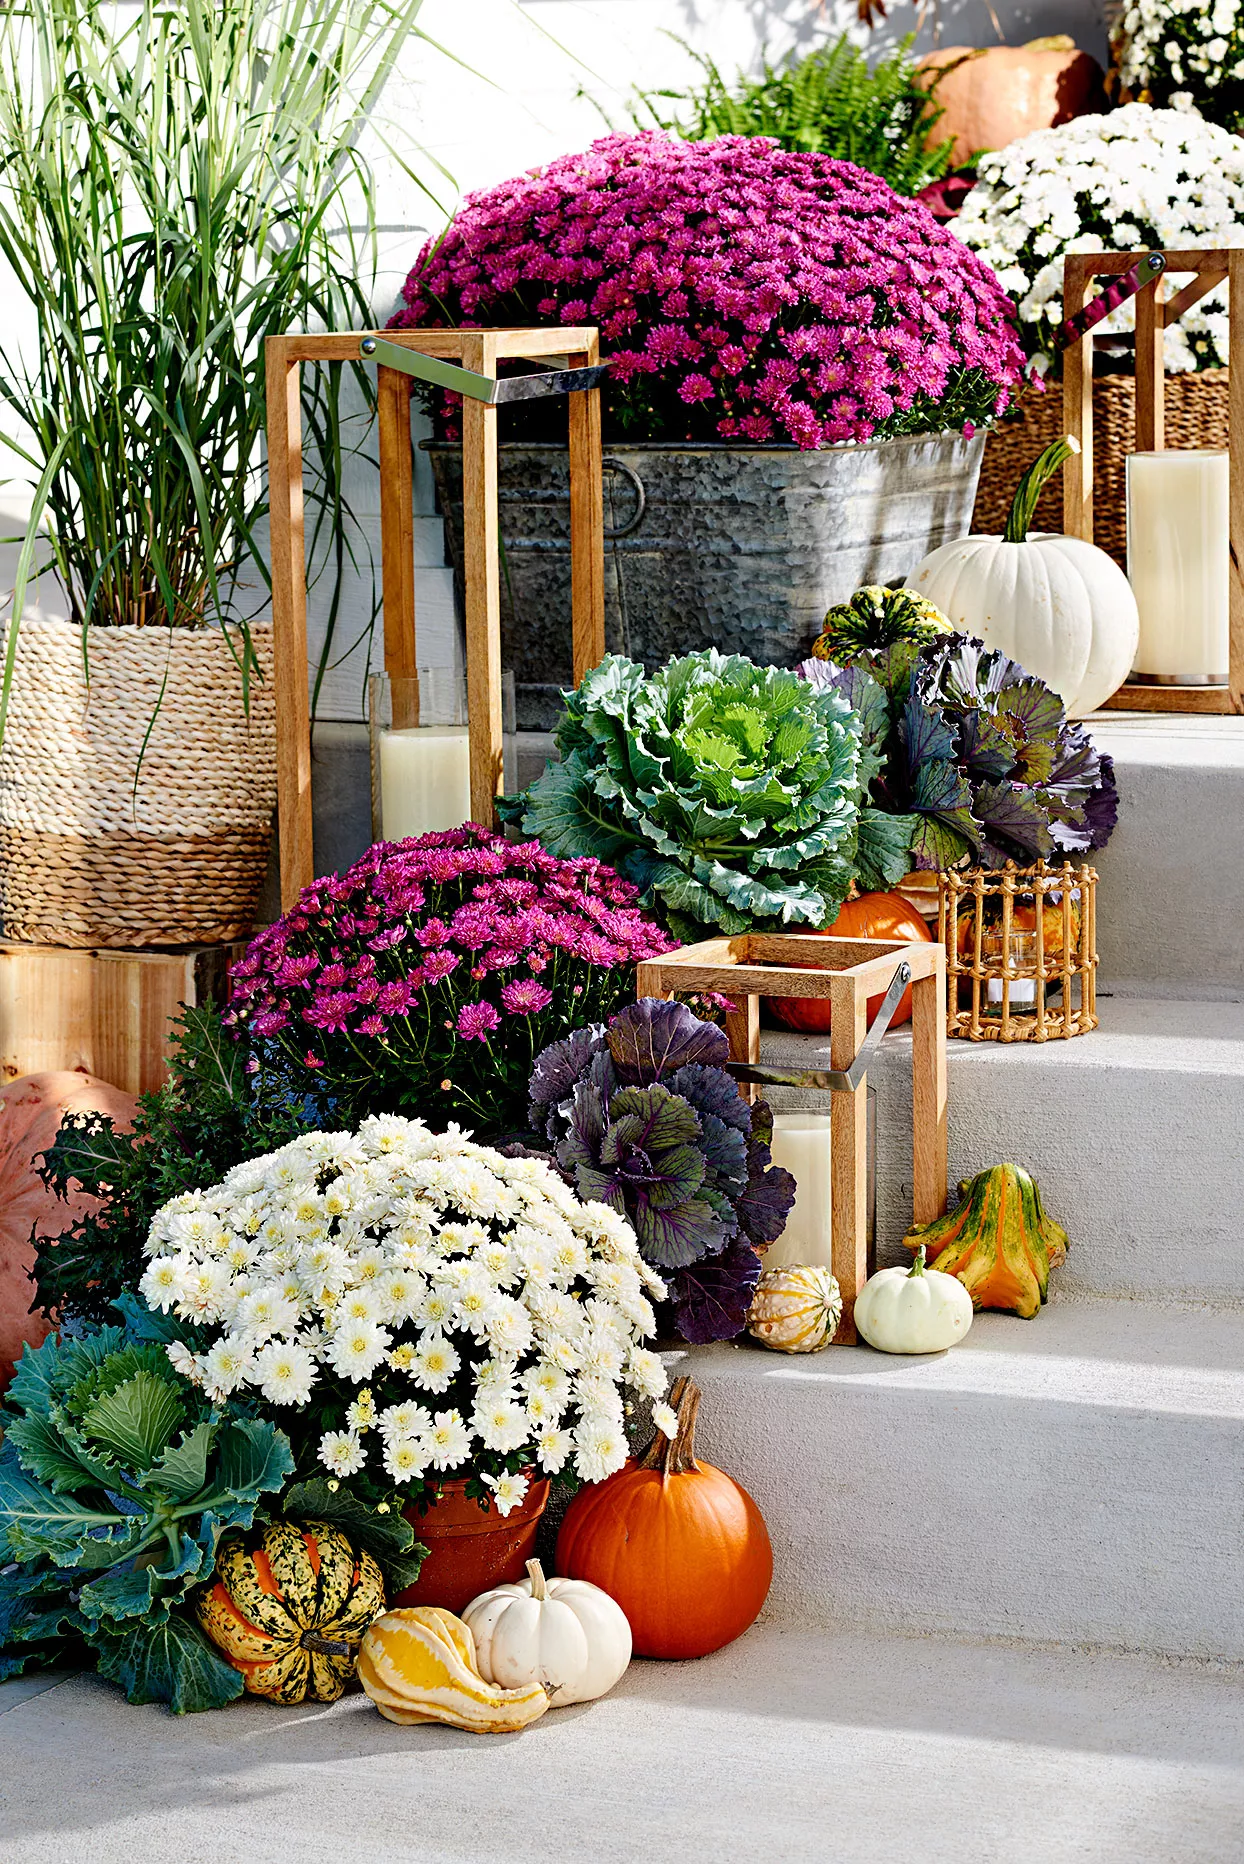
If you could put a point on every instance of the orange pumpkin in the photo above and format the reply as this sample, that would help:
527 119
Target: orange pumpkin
680 1546
994 95
31 1110
872 915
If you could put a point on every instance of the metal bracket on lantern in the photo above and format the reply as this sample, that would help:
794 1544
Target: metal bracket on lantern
493 390
834 1080
1128 285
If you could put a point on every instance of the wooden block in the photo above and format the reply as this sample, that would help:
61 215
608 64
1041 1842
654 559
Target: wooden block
929 1135
397 537
587 523
848 1139
1135 697
1150 371
1077 408
1235 661
482 584
289 619
743 1032
105 1012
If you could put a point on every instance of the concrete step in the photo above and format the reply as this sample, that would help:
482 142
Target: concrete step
1077 1478
791 1746
1133 1134
1169 896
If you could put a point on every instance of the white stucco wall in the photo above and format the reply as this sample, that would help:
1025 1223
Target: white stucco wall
517 82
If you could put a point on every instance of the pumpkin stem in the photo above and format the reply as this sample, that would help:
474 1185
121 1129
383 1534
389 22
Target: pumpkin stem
535 1573
673 1456
1031 486
326 1646
917 1267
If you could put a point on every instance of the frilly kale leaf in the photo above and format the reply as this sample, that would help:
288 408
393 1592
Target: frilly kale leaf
726 791
651 1126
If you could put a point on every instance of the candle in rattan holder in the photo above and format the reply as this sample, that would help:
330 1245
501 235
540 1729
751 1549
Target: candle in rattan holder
1015 973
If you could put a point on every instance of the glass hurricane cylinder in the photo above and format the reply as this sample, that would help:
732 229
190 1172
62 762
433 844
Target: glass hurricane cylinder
1178 563
802 1145
420 753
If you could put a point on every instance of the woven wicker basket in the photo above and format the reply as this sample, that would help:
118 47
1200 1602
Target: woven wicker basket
1196 416
87 858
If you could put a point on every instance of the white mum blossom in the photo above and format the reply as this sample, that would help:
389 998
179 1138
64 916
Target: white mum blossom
1123 182
665 1418
507 1490
341 1452
385 1271
1160 40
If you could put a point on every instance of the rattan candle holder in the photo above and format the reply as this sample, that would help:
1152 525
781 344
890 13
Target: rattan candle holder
1016 973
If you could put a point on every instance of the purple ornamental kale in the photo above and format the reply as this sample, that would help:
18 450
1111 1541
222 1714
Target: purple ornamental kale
643 1118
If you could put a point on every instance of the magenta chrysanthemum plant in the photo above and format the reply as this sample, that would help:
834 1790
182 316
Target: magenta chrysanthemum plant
428 977
743 292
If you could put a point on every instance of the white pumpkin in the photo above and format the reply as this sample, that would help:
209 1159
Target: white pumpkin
915 1310
566 1635
796 1308
1058 605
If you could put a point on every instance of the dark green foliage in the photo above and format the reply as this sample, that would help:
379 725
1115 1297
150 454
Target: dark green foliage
186 1135
829 102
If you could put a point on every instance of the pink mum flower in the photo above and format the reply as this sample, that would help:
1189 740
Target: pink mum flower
476 1021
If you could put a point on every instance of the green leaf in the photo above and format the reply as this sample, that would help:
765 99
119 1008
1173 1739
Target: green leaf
181 1469
45 1373
137 1419
253 1457
33 1520
883 852
52 1456
389 1537
168 1662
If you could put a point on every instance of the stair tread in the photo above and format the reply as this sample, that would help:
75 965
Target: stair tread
1177 1033
1127 1355
1172 741
790 1746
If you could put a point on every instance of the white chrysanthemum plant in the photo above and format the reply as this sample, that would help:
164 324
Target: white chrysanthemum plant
1130 181
1187 53
435 1309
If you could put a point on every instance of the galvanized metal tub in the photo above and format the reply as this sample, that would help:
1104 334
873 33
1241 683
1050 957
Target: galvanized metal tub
741 548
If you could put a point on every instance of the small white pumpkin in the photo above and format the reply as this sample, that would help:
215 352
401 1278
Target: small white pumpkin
915 1310
566 1635
1058 605
796 1308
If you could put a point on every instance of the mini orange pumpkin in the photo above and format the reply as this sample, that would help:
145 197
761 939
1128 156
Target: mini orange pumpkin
680 1546
872 915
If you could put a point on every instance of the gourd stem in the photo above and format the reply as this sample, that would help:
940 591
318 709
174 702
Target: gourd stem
535 1573
327 1646
917 1267
1031 486
673 1456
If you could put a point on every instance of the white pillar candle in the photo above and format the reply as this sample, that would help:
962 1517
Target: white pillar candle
1178 563
801 1144
425 780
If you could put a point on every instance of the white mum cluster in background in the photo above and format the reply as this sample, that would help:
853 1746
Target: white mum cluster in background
1126 181
1196 43
441 1304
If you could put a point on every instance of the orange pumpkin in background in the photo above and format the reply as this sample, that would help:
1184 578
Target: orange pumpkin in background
872 915
679 1545
993 95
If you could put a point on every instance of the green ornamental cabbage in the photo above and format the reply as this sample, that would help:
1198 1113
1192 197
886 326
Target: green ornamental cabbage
727 792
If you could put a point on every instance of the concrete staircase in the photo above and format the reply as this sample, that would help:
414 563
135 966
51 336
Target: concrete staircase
1078 1477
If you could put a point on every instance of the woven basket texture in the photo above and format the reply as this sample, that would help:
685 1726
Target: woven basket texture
88 856
1196 413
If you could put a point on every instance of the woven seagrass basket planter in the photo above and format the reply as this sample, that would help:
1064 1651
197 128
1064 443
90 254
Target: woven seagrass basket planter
88 856
1197 410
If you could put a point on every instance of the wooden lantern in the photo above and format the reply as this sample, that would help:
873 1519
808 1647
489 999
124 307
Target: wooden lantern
453 352
847 971
1210 267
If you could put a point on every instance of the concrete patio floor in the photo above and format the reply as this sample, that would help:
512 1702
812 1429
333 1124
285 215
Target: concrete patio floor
819 1746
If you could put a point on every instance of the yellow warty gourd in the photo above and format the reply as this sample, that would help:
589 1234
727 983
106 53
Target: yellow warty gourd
418 1665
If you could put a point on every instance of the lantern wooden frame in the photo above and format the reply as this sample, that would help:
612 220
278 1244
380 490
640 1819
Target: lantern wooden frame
848 971
479 351
1210 267
1076 961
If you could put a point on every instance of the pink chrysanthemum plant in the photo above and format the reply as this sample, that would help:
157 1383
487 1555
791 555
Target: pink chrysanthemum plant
428 977
743 293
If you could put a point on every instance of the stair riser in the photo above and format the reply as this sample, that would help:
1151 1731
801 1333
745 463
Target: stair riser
988 1515
1142 1166
1169 892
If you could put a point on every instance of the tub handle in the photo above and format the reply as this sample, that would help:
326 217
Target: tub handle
610 464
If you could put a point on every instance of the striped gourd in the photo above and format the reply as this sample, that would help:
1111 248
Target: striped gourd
795 1309
418 1665
289 1606
998 1241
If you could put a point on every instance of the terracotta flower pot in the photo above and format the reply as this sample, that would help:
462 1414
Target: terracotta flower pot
471 1548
